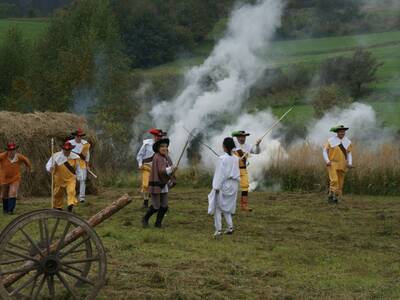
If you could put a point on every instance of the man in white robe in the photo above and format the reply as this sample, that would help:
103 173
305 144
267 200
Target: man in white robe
222 198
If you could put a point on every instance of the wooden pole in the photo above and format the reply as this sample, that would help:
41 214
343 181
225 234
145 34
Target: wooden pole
52 172
276 123
73 235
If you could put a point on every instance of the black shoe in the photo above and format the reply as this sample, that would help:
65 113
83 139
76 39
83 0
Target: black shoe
145 220
70 208
160 216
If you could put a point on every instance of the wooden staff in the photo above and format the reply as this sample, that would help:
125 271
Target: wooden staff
52 171
184 148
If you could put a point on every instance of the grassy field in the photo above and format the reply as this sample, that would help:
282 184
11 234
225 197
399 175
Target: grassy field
31 28
293 246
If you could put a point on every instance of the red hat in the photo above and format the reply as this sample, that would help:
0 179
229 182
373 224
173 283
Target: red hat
155 131
67 146
79 132
11 146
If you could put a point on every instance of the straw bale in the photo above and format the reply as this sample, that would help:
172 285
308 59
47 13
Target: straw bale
33 133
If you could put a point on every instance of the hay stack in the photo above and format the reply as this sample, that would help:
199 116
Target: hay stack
33 133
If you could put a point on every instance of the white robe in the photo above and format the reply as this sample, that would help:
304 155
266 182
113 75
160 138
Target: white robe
226 181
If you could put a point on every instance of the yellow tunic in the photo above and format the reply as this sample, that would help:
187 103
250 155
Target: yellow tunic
244 175
65 181
338 167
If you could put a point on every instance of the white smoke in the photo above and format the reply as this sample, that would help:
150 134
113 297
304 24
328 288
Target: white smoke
221 84
360 118
256 124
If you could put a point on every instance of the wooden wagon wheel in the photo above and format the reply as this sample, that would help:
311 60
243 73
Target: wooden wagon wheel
48 254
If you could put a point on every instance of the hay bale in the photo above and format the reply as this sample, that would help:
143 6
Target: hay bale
33 133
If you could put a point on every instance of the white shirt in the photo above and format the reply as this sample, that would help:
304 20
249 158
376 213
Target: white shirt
336 141
246 148
146 151
58 159
79 147
226 182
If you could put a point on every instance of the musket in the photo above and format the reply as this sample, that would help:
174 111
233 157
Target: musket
204 144
276 123
52 171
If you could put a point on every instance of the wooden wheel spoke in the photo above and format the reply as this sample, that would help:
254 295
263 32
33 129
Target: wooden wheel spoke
66 285
46 235
74 268
78 261
50 285
20 270
70 250
53 232
32 242
61 241
17 246
34 284
41 233
26 284
81 278
39 289
21 255
7 262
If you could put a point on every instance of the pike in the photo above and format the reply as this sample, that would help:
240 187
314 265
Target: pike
276 123
204 144
52 171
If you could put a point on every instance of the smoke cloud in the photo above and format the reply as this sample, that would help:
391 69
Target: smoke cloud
214 92
363 123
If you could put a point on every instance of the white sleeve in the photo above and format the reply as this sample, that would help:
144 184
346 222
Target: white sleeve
168 170
255 149
139 156
87 156
325 155
50 164
350 158
220 175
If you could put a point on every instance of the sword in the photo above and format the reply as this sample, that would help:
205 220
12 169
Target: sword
276 123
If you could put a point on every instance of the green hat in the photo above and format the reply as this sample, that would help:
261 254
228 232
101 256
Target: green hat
240 133
339 127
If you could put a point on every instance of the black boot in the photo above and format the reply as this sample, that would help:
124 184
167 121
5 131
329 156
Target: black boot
160 216
12 202
5 205
146 204
149 213
70 208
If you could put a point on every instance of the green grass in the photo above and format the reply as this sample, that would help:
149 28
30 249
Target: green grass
293 246
31 28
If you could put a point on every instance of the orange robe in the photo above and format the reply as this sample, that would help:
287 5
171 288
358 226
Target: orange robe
10 171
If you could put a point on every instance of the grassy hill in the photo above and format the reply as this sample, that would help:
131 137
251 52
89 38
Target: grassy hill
385 46
31 28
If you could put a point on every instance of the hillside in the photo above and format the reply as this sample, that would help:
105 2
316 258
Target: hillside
31 28
311 52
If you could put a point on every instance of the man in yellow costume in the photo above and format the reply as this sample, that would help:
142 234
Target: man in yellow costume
65 164
337 154
82 148
145 158
243 151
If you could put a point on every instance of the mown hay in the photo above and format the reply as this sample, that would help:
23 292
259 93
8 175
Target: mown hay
33 133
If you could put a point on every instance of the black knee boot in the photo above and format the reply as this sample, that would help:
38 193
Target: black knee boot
146 204
12 202
149 213
160 216
5 205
